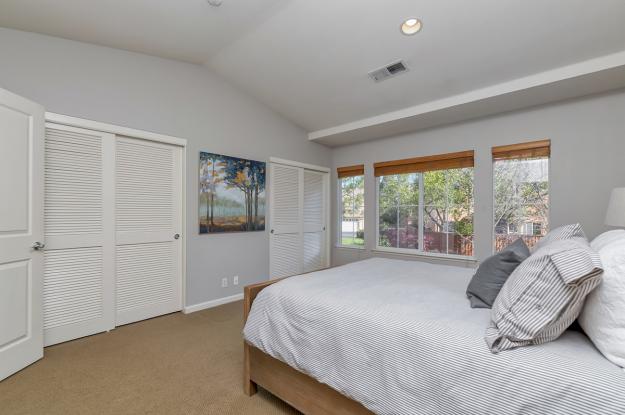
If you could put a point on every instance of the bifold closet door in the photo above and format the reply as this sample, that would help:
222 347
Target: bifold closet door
314 219
286 201
298 218
78 226
148 223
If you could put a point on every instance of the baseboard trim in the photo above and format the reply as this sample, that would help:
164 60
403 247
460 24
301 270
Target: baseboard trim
212 303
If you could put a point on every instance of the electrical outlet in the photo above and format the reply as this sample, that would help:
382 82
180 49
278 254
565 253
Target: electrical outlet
235 280
224 282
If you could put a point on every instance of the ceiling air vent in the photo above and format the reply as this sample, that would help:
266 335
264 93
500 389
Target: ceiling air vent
388 71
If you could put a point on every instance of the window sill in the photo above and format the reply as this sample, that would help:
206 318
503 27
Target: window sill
359 248
467 260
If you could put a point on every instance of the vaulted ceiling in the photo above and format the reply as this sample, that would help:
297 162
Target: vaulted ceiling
309 59
186 30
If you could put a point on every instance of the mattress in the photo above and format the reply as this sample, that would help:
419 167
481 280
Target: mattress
400 338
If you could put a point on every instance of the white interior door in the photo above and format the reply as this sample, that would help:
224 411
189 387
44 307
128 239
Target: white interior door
315 255
79 231
21 227
286 201
148 221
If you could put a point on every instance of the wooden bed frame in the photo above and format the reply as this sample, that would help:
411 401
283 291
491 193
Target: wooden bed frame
301 391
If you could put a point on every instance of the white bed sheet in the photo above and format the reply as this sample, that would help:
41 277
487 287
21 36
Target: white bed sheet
400 337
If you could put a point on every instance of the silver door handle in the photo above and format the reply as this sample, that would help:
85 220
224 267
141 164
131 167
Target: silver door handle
177 236
38 245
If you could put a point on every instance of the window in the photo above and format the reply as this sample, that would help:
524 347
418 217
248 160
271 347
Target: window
426 204
521 193
351 206
398 207
448 211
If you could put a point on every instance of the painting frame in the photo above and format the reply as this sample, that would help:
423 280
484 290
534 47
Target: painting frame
231 194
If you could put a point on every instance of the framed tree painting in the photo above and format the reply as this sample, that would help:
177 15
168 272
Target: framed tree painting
232 194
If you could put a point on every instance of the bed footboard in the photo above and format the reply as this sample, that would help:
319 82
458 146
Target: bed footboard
249 294
302 392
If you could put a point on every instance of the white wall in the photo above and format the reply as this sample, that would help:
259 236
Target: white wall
168 97
588 160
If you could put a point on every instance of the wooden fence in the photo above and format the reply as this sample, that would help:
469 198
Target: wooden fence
448 242
503 240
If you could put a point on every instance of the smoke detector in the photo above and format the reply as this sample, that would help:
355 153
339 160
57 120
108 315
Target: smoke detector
389 71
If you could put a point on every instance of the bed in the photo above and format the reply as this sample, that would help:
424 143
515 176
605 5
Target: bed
398 337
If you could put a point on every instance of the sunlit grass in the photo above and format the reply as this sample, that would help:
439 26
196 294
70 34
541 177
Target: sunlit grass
347 241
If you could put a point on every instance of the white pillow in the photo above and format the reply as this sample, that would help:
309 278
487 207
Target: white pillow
603 315
606 238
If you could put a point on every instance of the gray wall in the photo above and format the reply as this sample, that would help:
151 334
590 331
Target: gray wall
167 97
588 160
139 91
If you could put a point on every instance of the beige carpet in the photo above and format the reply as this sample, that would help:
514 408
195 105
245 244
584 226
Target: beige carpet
175 364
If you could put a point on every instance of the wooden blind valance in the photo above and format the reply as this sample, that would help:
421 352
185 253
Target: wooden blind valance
532 149
351 171
429 163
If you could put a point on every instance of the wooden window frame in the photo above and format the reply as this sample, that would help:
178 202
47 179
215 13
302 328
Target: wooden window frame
350 171
531 149
457 160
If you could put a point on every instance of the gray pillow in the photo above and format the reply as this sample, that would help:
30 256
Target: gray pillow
544 295
493 273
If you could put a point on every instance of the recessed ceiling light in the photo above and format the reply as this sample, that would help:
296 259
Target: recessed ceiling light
411 26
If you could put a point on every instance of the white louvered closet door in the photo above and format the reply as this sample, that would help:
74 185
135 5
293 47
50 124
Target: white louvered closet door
315 206
286 201
78 226
148 227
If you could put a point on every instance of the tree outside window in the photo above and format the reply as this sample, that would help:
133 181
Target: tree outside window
352 232
448 200
521 200
398 205
430 211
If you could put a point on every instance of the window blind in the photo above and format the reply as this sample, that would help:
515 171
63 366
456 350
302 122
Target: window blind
531 149
351 171
429 163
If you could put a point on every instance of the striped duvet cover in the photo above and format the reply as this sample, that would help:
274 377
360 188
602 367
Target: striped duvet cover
400 337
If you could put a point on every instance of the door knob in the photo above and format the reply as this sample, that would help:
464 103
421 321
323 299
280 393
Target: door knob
177 236
38 245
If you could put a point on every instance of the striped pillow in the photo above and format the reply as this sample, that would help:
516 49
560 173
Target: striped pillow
544 295
563 232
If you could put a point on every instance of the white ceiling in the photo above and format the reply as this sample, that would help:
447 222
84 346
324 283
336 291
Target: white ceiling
186 30
309 59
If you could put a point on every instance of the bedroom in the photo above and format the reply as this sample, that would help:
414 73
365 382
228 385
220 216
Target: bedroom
287 83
